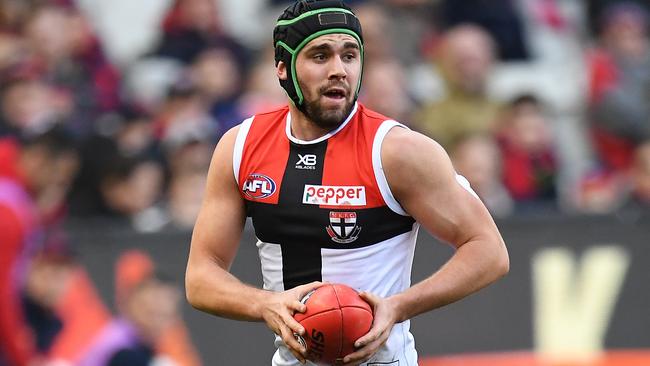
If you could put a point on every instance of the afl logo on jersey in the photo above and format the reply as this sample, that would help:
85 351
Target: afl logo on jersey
258 186
343 227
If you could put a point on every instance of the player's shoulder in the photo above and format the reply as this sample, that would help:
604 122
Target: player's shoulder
229 139
405 147
411 160
231 135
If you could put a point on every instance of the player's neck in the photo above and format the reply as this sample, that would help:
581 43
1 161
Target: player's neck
304 128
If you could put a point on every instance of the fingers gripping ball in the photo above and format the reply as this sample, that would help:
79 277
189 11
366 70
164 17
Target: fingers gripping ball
336 317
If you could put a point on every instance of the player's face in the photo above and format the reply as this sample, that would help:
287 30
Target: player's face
328 70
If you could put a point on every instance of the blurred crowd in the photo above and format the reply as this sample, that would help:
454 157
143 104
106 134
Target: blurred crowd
54 316
543 105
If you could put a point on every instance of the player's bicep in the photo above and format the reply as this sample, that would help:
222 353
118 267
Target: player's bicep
221 219
453 213
425 183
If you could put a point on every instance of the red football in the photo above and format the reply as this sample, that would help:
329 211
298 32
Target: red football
336 317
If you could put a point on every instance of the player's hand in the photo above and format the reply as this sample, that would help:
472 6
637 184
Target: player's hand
278 312
385 315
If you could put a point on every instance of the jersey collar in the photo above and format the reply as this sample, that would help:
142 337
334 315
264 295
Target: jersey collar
322 138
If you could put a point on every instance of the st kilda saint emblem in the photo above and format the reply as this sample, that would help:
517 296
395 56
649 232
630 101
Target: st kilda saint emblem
343 227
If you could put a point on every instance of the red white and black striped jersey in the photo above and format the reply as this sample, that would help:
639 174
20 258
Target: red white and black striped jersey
322 210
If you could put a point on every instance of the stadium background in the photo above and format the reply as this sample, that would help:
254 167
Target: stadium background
543 104
503 321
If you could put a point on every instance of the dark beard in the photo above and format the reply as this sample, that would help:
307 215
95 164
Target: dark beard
326 119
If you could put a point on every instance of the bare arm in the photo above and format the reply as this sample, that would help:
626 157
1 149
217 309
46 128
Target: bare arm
210 286
422 179
215 240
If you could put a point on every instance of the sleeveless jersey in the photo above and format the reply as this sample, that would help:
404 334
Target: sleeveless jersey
322 210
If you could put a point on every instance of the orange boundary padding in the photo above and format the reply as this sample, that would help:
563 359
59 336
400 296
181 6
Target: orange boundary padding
609 358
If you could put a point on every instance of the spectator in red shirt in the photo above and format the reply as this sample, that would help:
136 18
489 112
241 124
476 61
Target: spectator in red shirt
619 78
529 165
34 178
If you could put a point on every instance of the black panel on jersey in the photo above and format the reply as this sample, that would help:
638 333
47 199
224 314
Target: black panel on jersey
377 224
301 260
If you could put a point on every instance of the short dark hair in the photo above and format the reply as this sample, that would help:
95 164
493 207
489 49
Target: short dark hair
526 98
56 141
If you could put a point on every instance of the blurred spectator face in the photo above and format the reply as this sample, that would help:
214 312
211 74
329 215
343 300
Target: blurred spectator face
199 14
375 27
47 32
131 130
146 182
599 193
527 128
135 137
79 34
185 197
263 91
468 56
185 118
152 306
12 50
44 171
477 158
47 280
137 190
216 74
190 157
31 105
625 30
13 13
641 173
392 101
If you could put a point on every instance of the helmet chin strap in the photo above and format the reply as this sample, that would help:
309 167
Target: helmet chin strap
302 107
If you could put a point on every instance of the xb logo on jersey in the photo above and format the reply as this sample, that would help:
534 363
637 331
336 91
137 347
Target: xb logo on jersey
306 162
258 186
343 227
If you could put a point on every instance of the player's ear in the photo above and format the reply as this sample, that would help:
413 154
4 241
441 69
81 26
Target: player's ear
281 70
